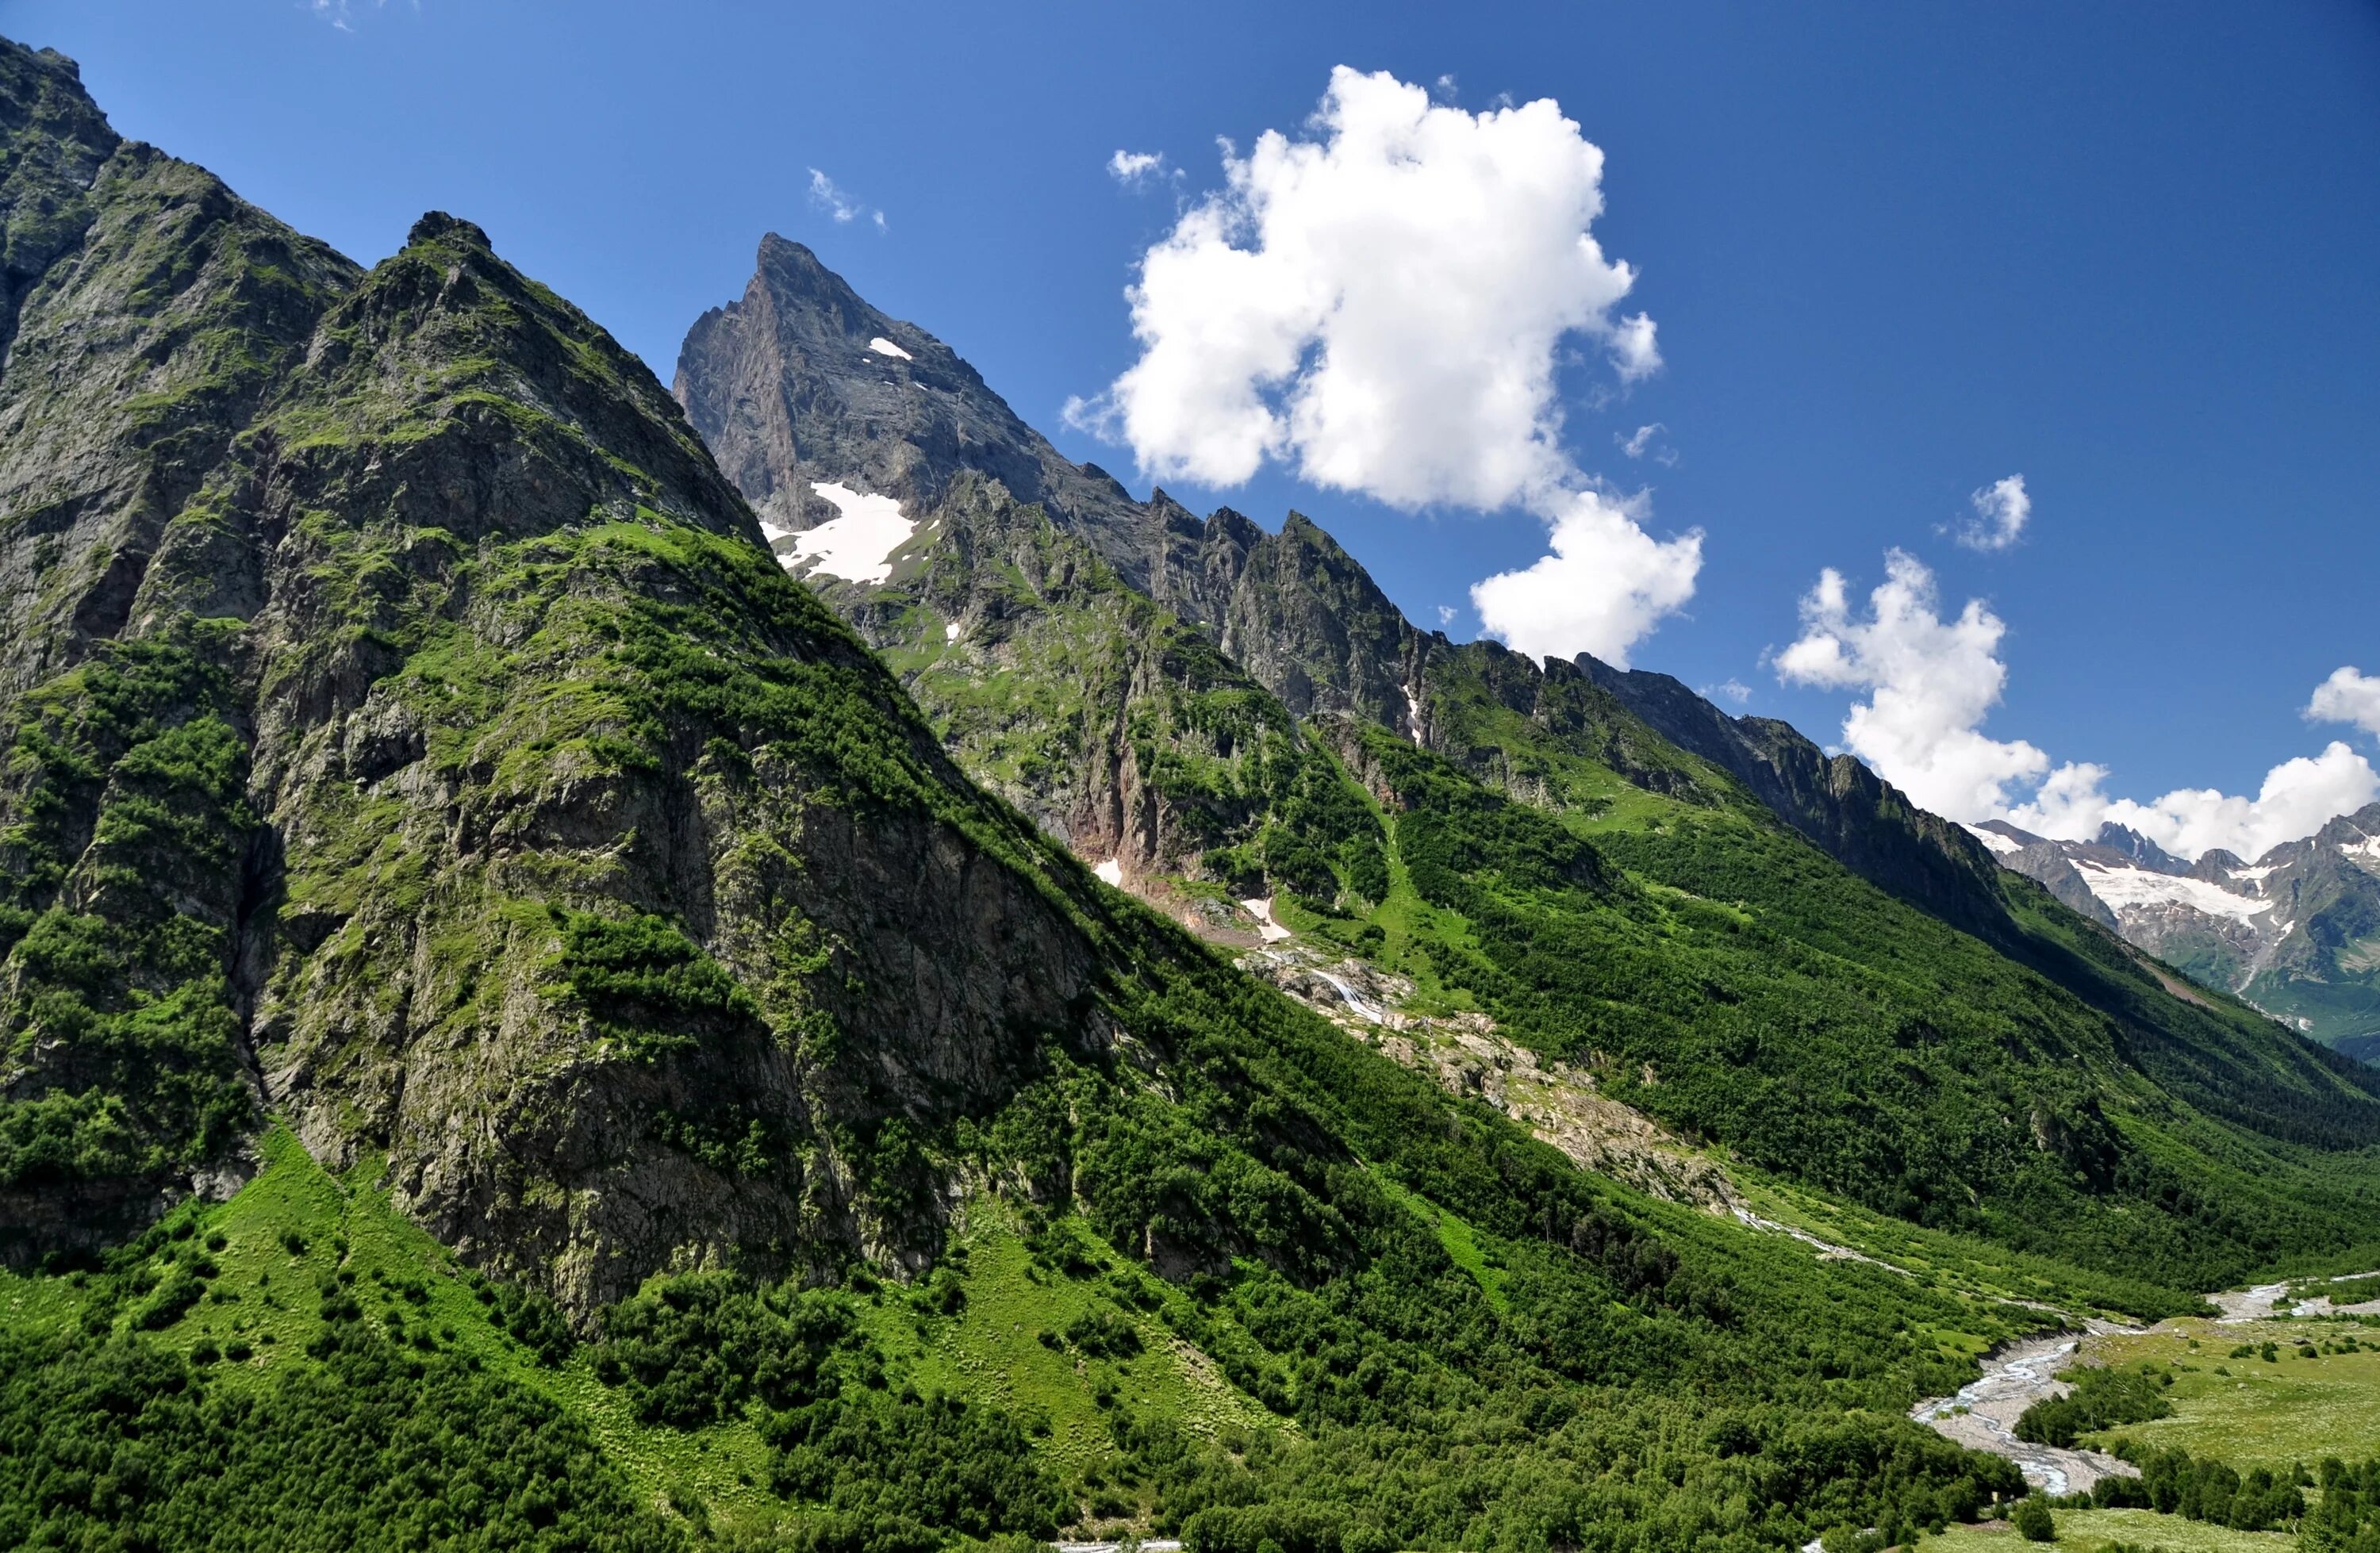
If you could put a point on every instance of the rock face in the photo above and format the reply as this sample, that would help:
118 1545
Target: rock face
412 733
2297 933
1866 822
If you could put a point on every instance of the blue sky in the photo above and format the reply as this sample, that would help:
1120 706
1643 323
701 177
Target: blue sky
1895 252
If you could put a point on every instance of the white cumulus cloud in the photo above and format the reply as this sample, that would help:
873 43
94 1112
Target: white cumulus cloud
1382 303
1930 682
1379 305
2001 509
1605 585
2348 696
1632 350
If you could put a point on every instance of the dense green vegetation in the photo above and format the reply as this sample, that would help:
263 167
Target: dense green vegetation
125 1443
1722 974
177 1394
1408 1409
2346 1517
2102 1398
2176 1483
125 826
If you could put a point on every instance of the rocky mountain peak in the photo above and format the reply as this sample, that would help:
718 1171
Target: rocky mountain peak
58 140
2140 849
437 226
488 730
800 383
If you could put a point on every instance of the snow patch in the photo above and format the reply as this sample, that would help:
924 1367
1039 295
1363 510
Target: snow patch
857 546
1112 870
2251 875
949 631
1412 717
883 346
2125 887
1272 931
772 532
1994 840
2368 847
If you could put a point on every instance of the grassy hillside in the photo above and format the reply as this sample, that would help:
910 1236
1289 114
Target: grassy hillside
1721 974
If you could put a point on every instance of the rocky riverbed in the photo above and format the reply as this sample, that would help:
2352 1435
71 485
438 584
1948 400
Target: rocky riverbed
1983 1414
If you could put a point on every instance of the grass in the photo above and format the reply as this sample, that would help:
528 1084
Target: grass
1946 1259
993 1349
2082 1531
1007 1346
1457 1239
297 1224
2260 1414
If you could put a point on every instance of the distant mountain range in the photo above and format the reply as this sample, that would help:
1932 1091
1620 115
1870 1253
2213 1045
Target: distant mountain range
2297 932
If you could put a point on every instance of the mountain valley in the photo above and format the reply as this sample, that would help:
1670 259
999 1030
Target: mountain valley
776 965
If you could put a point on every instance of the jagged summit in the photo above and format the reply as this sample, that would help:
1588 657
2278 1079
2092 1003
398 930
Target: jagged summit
1836 801
800 383
1237 724
785 384
437 226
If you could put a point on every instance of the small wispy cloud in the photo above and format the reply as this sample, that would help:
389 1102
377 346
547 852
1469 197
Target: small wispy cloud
1731 690
2001 510
1139 169
341 14
827 196
1640 443
1445 615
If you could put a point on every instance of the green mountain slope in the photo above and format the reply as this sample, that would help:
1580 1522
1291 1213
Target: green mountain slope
1770 951
514 1032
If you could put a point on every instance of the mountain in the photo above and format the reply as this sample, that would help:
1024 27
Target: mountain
525 1023
799 377
516 1030
1742 942
2297 934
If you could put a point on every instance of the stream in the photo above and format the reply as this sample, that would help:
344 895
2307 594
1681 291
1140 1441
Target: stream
2014 1379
